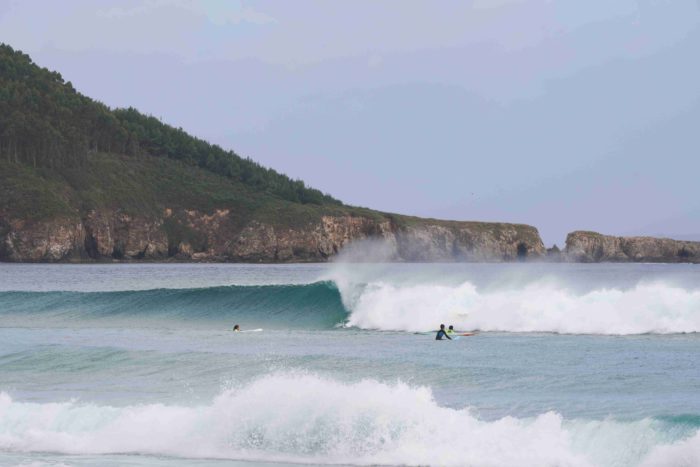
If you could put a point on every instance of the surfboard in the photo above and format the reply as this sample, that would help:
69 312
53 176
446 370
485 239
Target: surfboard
453 335
463 334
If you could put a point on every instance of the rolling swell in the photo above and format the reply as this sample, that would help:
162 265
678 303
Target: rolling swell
316 305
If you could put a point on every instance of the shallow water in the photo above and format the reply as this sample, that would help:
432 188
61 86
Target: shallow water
136 365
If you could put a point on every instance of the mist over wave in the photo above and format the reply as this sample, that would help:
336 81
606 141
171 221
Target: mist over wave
307 418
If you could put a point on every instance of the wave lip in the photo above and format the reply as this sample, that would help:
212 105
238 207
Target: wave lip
645 309
307 418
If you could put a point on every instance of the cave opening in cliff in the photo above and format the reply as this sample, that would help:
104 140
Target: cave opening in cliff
683 253
90 245
118 252
522 251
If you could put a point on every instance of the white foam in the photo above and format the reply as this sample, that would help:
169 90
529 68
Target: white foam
538 307
684 453
306 418
42 464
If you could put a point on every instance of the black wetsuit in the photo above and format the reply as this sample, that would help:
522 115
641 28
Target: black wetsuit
440 334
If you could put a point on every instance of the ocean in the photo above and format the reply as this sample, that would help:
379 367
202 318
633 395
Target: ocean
136 365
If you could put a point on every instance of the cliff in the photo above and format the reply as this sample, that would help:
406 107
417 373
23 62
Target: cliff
82 182
592 247
114 235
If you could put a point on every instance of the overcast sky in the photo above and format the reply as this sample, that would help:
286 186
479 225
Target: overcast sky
565 115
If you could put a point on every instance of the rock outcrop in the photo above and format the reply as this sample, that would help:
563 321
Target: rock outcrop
592 247
190 235
27 241
468 242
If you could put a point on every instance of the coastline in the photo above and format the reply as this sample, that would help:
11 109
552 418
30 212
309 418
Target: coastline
357 239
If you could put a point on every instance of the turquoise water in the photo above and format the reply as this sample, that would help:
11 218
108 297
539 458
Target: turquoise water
136 365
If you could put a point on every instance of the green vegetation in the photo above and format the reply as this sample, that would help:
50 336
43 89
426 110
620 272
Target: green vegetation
46 124
25 193
142 186
64 156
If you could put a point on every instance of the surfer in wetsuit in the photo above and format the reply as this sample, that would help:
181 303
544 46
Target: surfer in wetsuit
236 328
441 333
450 330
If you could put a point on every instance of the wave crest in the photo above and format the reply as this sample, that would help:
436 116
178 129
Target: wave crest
654 308
307 418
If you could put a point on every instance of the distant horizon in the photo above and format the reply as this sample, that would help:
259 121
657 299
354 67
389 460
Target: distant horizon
563 117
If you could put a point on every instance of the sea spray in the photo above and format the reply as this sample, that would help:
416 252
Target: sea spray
656 308
91 377
645 308
308 418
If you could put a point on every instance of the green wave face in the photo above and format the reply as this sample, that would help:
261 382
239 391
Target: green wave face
315 306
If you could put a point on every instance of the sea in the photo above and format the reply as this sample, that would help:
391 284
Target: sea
337 364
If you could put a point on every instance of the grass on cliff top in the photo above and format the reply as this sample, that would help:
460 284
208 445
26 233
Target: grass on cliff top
26 194
495 227
146 186
585 232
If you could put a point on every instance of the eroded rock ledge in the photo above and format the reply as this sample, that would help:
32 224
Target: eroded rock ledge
592 247
190 235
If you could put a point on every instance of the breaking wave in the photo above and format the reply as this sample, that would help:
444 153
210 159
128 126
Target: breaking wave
650 308
307 418
655 308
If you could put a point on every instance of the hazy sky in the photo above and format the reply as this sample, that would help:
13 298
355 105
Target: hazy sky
565 115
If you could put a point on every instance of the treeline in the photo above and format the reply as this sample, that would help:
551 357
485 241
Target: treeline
158 139
45 122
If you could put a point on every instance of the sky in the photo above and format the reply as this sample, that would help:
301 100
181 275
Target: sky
565 115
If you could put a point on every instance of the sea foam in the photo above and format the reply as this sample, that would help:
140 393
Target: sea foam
537 307
415 305
308 418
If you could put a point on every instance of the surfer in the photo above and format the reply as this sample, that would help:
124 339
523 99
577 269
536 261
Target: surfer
450 330
441 333
236 328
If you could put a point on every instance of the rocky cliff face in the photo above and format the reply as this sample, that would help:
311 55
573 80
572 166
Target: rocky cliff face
591 247
466 241
190 235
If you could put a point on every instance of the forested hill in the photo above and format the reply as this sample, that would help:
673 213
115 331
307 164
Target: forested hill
45 122
82 182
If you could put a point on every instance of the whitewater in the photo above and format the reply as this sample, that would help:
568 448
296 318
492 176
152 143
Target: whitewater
573 365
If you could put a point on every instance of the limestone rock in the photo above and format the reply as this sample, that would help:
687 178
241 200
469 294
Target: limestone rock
582 246
41 241
192 235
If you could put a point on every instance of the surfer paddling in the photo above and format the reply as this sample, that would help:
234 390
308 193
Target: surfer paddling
442 334
236 328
